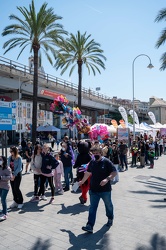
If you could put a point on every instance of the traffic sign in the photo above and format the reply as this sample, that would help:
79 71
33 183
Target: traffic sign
7 115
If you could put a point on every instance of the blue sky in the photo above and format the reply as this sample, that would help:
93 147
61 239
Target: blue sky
124 30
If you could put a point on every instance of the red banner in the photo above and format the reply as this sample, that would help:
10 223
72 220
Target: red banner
50 93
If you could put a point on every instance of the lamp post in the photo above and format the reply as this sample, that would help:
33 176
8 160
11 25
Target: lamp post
150 66
19 99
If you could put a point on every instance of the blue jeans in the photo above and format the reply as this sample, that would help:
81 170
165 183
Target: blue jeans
94 201
67 172
123 160
3 195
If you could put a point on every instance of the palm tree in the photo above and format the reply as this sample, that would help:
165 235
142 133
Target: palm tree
76 51
39 31
162 39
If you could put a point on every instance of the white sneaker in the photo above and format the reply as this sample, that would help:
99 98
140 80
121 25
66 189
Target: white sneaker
3 217
61 192
14 204
20 206
43 197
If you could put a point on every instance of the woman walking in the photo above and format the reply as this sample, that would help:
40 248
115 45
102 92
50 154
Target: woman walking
36 164
5 176
49 163
15 163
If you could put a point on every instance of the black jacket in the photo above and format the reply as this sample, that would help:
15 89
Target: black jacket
48 160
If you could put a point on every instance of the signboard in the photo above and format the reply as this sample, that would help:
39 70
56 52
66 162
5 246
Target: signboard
50 93
123 134
7 115
163 131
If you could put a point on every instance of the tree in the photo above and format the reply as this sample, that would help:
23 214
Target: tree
162 39
76 51
39 31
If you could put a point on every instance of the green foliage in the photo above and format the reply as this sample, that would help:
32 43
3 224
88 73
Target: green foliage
77 50
130 119
37 30
162 38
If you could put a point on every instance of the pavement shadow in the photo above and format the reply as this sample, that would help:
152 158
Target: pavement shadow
32 207
158 178
97 240
30 194
73 209
156 187
157 242
41 244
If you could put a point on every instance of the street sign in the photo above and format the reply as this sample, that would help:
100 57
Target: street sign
7 115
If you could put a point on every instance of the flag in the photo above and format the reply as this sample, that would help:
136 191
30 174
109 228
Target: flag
152 117
135 116
124 115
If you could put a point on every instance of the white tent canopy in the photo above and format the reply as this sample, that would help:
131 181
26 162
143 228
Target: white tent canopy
145 126
157 125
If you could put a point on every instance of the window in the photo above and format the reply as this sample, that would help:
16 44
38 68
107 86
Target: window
19 127
48 115
28 110
19 109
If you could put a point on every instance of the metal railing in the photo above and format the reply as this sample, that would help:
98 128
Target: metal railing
50 78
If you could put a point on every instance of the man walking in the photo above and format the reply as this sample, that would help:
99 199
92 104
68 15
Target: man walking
102 171
123 149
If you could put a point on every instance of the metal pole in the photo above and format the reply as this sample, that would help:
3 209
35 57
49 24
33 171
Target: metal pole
19 109
149 66
6 143
133 101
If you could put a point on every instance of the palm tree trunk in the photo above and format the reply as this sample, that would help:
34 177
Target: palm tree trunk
35 93
79 87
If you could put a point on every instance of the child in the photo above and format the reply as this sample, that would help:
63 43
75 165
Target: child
83 158
59 172
5 176
151 157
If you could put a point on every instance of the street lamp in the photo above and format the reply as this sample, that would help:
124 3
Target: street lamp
150 66
19 99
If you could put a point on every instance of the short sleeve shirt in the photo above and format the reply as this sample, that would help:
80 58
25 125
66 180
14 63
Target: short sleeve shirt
100 170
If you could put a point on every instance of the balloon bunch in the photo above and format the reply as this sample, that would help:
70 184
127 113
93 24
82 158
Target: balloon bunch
72 116
99 132
58 106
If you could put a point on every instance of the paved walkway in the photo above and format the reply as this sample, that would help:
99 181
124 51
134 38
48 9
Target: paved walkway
140 217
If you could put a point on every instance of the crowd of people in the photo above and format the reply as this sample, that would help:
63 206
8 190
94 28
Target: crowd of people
97 165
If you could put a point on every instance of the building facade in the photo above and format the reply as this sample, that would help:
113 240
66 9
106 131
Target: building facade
158 107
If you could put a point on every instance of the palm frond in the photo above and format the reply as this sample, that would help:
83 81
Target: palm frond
36 28
161 15
163 61
162 39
